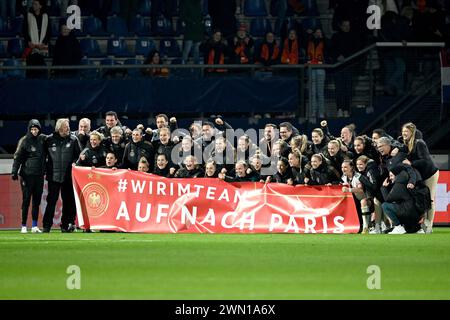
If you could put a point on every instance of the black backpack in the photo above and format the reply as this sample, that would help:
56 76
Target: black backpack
422 198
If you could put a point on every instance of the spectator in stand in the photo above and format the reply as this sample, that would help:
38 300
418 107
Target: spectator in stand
269 52
291 49
223 17
355 11
215 51
343 45
154 58
136 149
112 120
94 155
191 15
419 158
242 46
161 8
316 53
67 52
37 33
84 129
62 149
29 164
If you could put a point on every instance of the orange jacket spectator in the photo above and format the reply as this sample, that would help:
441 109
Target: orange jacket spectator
290 52
270 52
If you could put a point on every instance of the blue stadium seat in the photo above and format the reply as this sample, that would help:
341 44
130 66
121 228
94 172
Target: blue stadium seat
111 72
144 46
169 47
139 26
16 26
162 27
14 74
260 26
145 7
90 48
53 9
255 8
93 26
88 73
117 26
16 47
134 72
311 23
118 47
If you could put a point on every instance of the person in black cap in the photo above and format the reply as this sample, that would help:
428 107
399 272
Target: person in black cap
29 164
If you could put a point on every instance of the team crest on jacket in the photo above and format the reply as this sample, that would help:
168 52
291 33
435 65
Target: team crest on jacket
95 199
68 145
33 149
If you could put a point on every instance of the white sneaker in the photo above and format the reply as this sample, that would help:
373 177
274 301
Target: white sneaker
376 230
35 230
383 227
398 230
428 228
23 230
340 113
421 231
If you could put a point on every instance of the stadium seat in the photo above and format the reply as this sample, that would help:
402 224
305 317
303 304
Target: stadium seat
169 48
3 52
311 23
116 26
14 74
93 26
118 47
145 7
255 8
260 26
181 27
90 48
53 9
162 27
139 26
3 28
16 26
144 46
205 8
133 72
16 47
88 73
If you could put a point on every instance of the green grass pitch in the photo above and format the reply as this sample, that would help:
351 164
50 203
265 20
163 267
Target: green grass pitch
218 266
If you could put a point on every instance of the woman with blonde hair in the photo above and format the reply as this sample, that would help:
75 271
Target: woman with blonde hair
419 157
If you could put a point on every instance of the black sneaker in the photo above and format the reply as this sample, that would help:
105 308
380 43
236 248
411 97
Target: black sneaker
46 230
71 228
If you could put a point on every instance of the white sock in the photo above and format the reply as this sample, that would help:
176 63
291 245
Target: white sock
366 221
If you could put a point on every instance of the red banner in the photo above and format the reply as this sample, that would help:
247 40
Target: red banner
131 201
